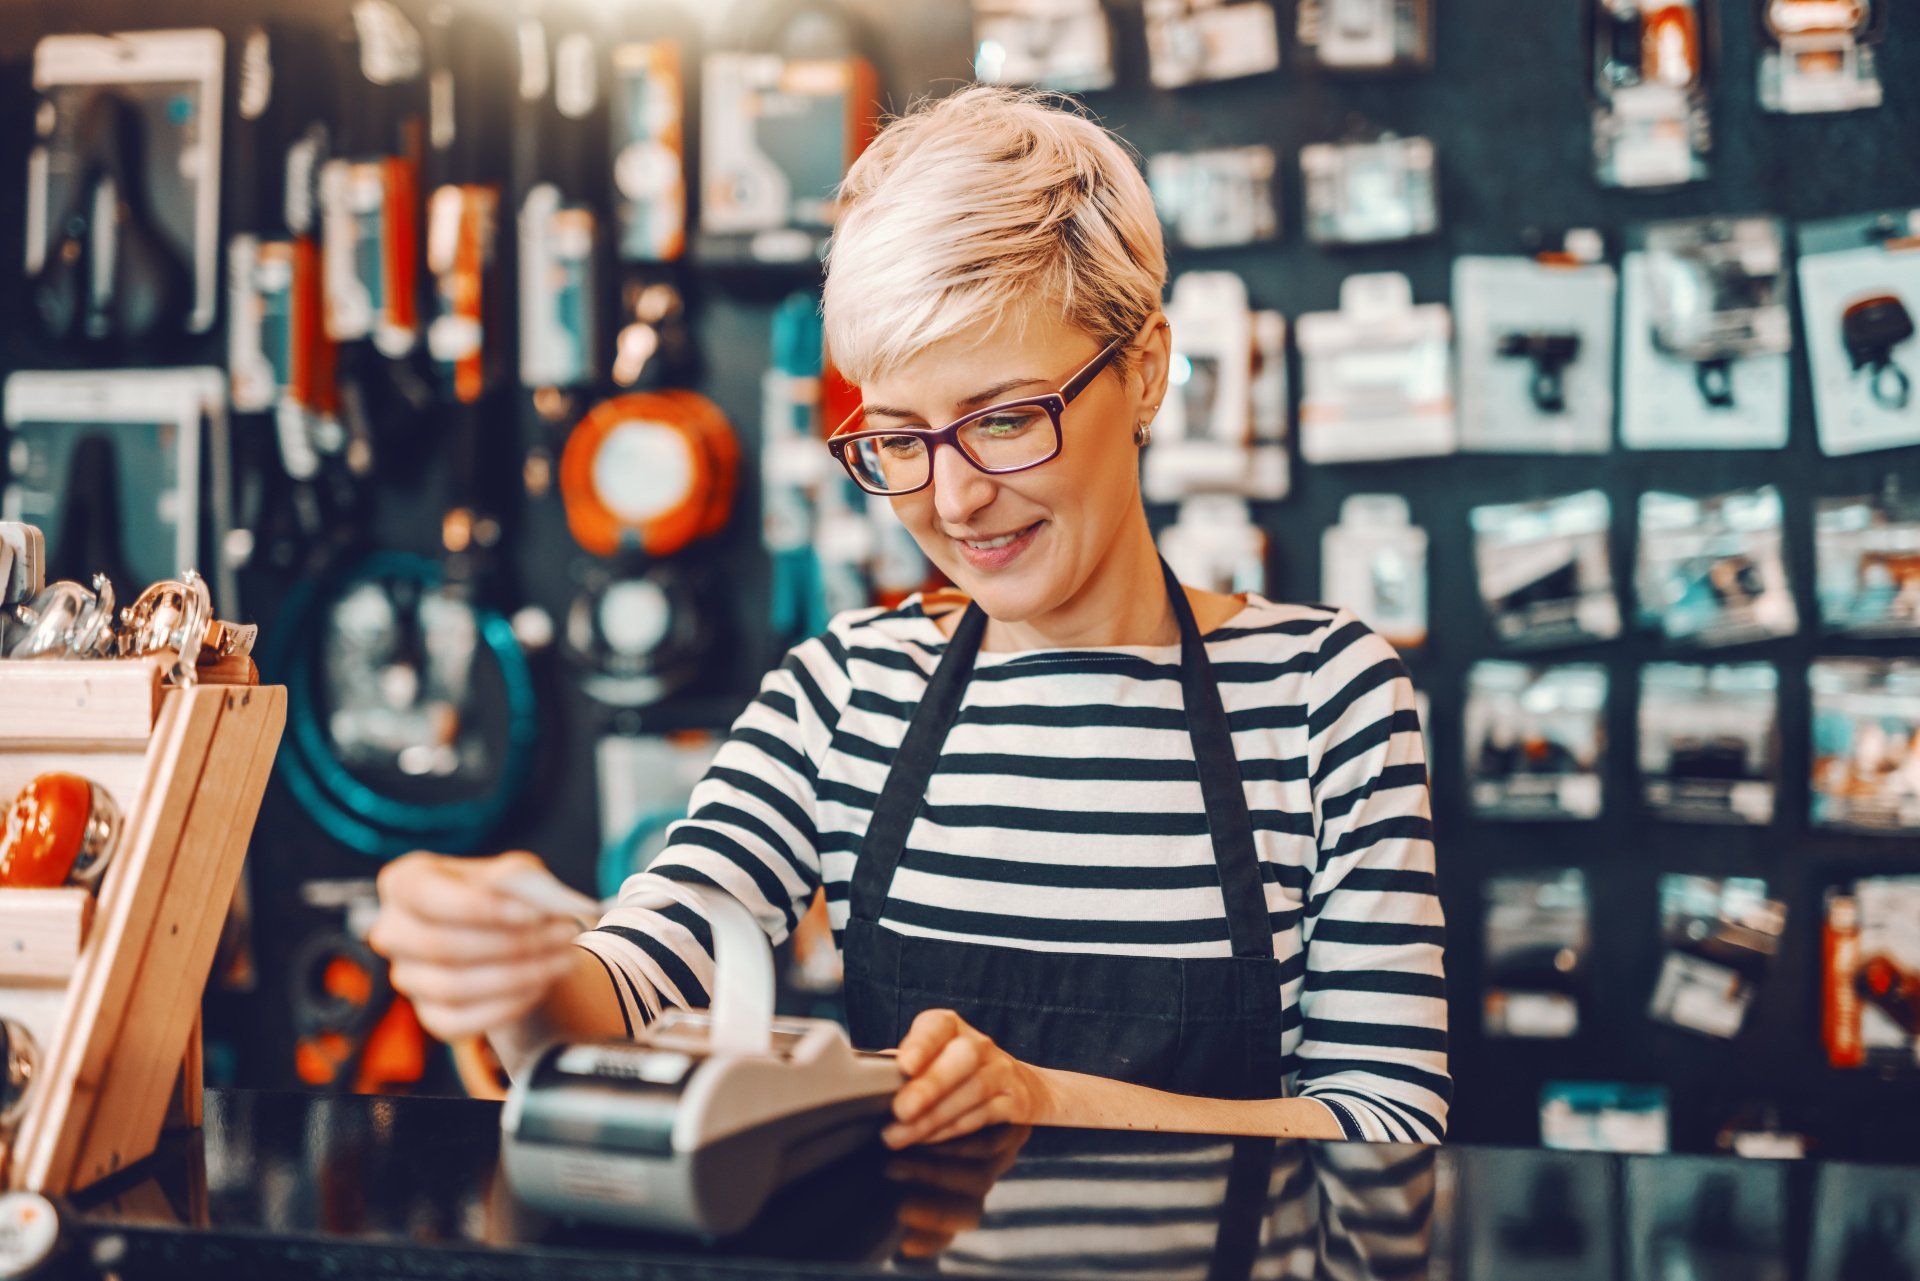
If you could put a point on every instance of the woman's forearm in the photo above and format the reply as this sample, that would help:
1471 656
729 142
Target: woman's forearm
1079 1101
582 1006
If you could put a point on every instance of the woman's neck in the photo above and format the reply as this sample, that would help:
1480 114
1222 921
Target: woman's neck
1123 602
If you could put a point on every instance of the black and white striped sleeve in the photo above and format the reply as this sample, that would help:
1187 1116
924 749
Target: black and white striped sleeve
750 832
1374 1030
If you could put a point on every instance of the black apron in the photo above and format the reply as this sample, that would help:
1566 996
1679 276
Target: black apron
1207 1026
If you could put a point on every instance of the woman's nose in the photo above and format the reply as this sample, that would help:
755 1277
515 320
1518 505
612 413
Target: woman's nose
959 488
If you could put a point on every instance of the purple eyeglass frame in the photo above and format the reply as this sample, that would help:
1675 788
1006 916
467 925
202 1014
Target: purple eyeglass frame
1055 403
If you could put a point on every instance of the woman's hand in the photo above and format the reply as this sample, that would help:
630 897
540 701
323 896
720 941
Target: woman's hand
959 1081
470 957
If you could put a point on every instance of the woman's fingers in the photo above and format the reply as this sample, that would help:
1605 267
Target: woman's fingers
929 1034
454 891
399 935
994 1111
957 1060
965 1096
458 985
452 1023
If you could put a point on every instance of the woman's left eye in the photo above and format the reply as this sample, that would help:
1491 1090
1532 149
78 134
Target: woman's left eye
1011 425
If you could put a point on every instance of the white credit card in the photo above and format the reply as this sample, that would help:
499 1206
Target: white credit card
539 888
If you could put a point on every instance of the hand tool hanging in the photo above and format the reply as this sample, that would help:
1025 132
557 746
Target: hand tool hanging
559 138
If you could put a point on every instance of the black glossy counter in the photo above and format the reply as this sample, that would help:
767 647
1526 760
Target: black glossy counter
282 1185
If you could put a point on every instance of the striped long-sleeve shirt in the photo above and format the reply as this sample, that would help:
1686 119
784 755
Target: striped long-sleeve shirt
1066 815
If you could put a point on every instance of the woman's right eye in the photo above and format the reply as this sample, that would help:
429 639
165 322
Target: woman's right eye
901 446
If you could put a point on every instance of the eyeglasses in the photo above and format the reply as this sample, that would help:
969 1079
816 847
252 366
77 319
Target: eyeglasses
1011 436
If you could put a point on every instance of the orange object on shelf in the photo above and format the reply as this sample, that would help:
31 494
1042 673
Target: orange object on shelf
60 829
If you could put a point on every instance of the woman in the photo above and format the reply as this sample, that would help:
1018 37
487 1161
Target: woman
1097 849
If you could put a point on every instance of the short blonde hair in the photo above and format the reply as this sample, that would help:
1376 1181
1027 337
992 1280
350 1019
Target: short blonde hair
970 209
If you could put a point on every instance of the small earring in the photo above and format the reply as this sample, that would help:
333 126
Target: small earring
1142 434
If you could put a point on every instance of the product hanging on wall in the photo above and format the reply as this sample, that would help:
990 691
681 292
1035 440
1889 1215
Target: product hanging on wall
1214 543
1064 45
1535 739
649 149
638 636
123 185
1537 931
649 471
1859 293
1706 336
114 464
1819 54
1217 197
1709 741
1711 570
1720 936
1196 41
779 126
1866 553
1367 35
646 785
1370 192
1604 1116
1544 571
1216 432
1536 351
1871 974
1374 562
1376 376
385 672
1866 744
1650 121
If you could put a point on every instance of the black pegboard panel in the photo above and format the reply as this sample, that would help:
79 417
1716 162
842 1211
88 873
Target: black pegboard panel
1506 105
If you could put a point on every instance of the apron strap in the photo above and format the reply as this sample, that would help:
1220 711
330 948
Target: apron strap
1234 855
913 767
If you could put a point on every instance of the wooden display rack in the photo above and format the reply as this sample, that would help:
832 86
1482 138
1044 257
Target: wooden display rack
109 984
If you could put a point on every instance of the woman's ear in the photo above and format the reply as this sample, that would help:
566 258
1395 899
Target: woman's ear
1150 369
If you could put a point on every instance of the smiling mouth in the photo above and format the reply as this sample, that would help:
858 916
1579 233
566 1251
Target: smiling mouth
989 544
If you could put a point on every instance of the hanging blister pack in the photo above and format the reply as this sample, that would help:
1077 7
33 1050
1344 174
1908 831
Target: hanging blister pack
1866 744
1196 41
1536 352
131 462
1818 55
1535 739
1650 120
1866 553
649 150
123 184
1706 336
1374 562
370 192
1711 570
1721 936
1544 571
1222 428
1369 193
646 782
559 290
260 321
1871 978
1063 45
1367 35
1537 929
776 137
1859 294
1219 197
794 468
462 222
1377 375
1214 543
1710 741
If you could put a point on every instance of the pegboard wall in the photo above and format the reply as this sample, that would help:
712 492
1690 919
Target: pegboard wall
1506 105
